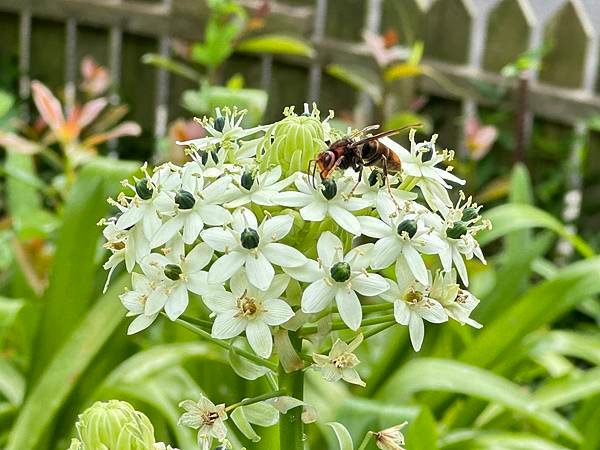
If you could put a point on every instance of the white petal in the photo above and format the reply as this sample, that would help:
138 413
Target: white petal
198 258
276 228
219 300
214 215
167 231
460 266
370 285
329 248
140 323
192 227
293 199
259 338
317 296
360 257
243 218
276 312
308 272
432 311
259 270
227 325
197 282
156 301
345 219
416 264
349 307
417 331
373 227
130 217
177 302
314 212
283 255
385 252
278 286
219 239
224 267
401 312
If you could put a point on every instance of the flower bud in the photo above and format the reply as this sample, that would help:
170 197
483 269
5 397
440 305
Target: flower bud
458 229
115 425
408 225
469 213
328 189
185 200
341 271
247 180
143 190
250 238
219 123
173 272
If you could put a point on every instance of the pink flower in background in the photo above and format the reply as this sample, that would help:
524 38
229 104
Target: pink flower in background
479 138
383 49
96 78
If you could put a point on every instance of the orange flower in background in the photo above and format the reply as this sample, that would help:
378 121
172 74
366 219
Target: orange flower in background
479 138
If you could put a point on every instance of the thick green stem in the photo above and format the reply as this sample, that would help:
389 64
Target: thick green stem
260 398
365 441
291 428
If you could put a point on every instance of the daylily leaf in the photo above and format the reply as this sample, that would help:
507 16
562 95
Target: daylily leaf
276 44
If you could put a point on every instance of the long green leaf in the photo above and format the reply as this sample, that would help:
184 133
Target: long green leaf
359 78
570 389
429 374
512 217
12 383
422 432
539 306
66 368
276 44
495 440
73 284
343 436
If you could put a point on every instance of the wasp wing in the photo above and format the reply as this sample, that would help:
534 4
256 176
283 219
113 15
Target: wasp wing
398 149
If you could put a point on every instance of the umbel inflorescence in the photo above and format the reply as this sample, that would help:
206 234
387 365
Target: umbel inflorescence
244 230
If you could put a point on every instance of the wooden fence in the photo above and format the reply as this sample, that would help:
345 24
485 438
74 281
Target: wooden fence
466 41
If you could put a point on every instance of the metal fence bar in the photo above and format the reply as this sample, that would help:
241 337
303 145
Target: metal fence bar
315 69
70 63
25 56
115 50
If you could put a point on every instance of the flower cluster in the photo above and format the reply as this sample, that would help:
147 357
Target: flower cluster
247 234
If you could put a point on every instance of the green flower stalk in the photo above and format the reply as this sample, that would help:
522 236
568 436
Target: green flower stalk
113 425
294 141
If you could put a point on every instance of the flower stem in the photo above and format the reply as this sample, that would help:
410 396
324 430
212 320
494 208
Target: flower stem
206 335
339 325
291 428
365 441
260 398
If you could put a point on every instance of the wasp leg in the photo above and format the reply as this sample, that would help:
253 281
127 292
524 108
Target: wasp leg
387 181
360 174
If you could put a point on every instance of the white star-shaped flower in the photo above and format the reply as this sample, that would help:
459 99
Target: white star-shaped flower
177 274
259 189
458 303
421 163
255 247
206 417
341 362
196 205
338 277
329 198
135 302
373 187
412 305
402 236
249 309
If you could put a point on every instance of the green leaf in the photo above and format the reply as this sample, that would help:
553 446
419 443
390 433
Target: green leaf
402 70
429 374
73 283
574 344
422 432
172 66
66 369
276 44
495 440
12 383
9 310
343 436
240 420
537 307
6 103
571 389
512 217
359 78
